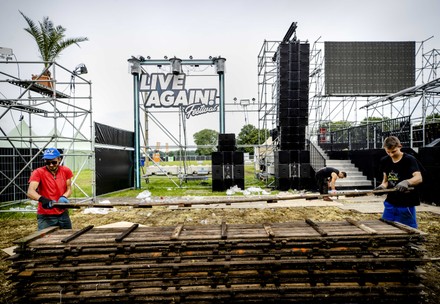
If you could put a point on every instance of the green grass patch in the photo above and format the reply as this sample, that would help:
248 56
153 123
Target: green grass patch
167 185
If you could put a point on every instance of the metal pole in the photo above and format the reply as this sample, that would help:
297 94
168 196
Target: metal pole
135 71
137 146
221 78
220 65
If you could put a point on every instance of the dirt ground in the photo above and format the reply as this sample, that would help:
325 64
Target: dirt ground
12 229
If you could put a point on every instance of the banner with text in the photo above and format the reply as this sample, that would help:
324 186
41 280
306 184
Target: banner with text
168 90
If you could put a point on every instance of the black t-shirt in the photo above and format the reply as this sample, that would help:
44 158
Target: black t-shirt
397 172
326 172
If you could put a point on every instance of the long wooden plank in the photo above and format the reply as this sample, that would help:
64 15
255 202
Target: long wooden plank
35 235
221 200
176 232
316 227
361 226
124 234
269 230
76 234
224 230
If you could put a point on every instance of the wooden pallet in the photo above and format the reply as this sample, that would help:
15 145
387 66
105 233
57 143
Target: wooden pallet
295 262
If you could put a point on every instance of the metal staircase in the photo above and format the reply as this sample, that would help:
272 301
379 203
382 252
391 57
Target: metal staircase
355 179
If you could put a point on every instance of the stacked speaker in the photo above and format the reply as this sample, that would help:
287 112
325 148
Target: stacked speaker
227 164
292 161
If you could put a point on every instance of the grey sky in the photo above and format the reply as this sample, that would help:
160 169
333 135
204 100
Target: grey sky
235 30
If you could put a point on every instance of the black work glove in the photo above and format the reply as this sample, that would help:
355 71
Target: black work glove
46 203
379 188
403 186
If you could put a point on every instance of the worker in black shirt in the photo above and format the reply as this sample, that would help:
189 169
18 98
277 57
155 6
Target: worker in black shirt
326 177
400 171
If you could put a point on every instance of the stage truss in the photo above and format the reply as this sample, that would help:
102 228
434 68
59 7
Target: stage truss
58 109
418 102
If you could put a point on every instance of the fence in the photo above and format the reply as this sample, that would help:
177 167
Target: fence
369 136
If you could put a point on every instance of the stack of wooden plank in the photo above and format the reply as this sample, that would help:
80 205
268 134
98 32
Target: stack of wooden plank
296 262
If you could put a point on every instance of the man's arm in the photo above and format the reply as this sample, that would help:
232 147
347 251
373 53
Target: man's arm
32 191
384 184
416 179
333 181
68 188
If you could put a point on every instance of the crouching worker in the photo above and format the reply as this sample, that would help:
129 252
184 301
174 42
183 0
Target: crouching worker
400 171
326 177
48 185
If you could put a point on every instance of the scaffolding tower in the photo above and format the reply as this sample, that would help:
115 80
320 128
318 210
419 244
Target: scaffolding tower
418 102
51 108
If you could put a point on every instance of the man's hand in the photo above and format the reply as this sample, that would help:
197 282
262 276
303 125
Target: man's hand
46 203
378 189
63 200
403 186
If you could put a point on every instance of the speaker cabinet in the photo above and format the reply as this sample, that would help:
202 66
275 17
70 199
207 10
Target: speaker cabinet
238 171
305 170
283 156
217 185
282 184
228 157
217 172
226 148
283 171
226 139
217 158
239 183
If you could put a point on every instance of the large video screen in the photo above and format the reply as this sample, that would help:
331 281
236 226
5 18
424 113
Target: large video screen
368 68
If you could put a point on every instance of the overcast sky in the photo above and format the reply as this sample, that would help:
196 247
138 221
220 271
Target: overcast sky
234 29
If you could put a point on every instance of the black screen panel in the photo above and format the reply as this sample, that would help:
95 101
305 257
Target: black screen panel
368 68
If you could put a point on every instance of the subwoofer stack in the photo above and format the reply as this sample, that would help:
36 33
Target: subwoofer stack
227 164
292 160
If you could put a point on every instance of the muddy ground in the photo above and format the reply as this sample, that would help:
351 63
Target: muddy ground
15 228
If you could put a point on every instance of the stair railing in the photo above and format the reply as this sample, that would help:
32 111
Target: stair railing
317 159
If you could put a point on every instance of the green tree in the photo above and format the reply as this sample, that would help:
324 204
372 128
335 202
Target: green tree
433 117
50 38
205 137
249 136
332 126
373 119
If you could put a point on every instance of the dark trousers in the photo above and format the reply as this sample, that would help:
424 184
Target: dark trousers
322 185
62 221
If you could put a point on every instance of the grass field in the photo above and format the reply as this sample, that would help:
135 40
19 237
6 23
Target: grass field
165 185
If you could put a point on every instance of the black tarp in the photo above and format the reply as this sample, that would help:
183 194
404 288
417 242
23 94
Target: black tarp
114 166
13 166
108 135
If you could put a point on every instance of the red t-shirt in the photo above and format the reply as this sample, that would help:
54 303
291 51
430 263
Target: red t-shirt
50 186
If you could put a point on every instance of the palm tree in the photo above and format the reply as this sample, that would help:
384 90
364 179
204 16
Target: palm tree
49 38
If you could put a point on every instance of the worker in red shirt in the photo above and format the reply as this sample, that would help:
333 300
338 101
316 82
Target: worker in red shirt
48 185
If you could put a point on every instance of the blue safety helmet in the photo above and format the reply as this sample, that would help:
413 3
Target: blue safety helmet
51 153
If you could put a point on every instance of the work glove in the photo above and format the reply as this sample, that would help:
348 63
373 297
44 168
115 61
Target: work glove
46 203
403 186
63 200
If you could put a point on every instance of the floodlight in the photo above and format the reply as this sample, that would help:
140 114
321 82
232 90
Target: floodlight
6 53
220 65
80 69
176 65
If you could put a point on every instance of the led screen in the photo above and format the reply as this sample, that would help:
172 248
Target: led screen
368 68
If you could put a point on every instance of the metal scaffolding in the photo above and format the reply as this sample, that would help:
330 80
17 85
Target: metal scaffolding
40 111
417 102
